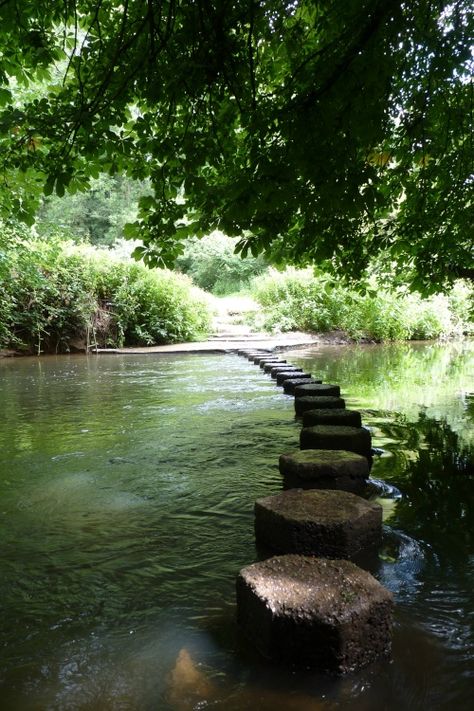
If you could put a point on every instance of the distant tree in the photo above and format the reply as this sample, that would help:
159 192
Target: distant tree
316 130
97 215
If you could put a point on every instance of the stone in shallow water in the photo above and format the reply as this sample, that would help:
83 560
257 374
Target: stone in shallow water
310 402
288 369
282 364
317 389
326 614
335 416
289 384
257 359
272 361
325 469
353 439
329 524
283 375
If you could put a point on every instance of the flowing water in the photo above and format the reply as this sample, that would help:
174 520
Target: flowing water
127 486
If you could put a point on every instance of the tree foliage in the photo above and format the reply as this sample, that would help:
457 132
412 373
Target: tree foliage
315 130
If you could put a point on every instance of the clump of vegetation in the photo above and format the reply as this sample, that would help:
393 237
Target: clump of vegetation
300 300
213 264
55 295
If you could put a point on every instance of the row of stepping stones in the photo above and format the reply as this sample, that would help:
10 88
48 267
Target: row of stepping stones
310 604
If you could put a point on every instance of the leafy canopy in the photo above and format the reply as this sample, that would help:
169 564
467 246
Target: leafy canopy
328 131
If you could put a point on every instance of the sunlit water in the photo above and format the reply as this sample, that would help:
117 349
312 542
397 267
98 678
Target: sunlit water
127 487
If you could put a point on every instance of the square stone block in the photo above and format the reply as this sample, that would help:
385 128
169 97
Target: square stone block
312 612
314 402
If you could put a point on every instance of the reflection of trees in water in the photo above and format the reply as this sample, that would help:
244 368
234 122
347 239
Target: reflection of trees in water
434 468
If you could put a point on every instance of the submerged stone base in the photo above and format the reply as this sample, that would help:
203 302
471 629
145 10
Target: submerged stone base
325 469
310 402
326 614
353 439
330 524
351 418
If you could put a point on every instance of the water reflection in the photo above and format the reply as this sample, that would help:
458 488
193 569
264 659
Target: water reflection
127 493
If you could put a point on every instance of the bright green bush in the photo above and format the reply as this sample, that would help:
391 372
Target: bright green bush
53 294
214 266
299 300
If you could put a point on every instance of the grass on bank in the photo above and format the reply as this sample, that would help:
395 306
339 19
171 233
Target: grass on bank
299 300
55 295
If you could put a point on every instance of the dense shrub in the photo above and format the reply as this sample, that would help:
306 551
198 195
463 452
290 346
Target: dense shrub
55 294
214 266
299 300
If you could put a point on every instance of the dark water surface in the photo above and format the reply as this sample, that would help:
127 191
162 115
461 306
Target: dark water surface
127 486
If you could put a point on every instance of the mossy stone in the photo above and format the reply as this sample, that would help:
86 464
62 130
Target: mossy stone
319 613
352 418
317 389
311 402
271 361
326 523
353 439
325 469
283 375
278 369
289 384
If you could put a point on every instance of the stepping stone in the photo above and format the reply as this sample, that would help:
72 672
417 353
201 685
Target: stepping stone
328 524
317 389
310 402
287 374
353 439
277 369
273 361
325 469
289 384
332 417
282 364
257 359
319 613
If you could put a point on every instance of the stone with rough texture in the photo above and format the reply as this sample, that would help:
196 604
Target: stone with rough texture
341 416
319 613
289 384
273 361
325 469
329 524
353 439
257 359
310 402
277 369
317 389
283 375
282 365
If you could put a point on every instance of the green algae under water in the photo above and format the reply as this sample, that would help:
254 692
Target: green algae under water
127 486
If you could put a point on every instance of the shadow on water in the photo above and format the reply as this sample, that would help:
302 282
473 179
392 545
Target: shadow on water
127 488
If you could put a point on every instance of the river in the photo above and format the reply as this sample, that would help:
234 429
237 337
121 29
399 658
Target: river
127 486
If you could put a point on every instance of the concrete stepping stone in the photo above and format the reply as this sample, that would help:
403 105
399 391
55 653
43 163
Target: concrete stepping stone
277 369
282 364
311 402
325 523
353 439
325 469
289 384
332 417
273 361
257 359
317 389
287 374
319 613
